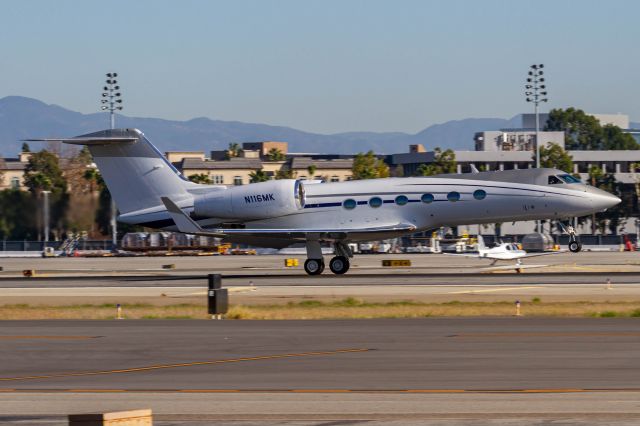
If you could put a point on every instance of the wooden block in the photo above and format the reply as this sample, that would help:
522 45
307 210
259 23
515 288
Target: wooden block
396 263
120 418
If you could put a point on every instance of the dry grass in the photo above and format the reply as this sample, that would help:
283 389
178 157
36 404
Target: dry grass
349 308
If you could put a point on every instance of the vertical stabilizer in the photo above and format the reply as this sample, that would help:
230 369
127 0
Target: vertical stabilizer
135 172
481 246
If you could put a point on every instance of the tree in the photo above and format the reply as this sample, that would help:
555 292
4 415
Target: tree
286 174
3 166
233 150
443 162
25 147
20 215
201 178
43 173
584 132
610 218
275 154
258 176
615 139
367 166
312 170
553 156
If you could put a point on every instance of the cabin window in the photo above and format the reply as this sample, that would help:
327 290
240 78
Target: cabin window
554 180
401 200
375 202
427 198
569 179
453 196
479 194
349 204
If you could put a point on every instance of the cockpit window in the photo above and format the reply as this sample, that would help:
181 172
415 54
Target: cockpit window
554 180
569 179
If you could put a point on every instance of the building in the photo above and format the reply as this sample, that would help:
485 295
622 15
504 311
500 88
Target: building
225 169
509 149
12 171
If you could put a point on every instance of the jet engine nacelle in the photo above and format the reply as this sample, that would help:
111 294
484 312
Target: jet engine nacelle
255 201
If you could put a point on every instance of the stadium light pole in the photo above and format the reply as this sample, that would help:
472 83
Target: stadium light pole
535 92
112 102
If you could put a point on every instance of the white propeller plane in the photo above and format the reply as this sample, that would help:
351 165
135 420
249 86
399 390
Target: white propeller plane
150 192
503 251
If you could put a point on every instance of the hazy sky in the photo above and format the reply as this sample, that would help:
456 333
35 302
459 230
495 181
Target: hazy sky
324 66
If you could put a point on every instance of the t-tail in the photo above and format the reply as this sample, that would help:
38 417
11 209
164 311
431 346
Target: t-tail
481 246
135 172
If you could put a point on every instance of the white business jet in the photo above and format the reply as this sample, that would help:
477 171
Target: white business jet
150 192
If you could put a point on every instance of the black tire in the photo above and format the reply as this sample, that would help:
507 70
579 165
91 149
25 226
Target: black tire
574 246
339 265
314 266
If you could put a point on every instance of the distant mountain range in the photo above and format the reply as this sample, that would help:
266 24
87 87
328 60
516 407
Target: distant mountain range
22 117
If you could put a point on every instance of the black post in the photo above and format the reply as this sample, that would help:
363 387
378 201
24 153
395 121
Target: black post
217 297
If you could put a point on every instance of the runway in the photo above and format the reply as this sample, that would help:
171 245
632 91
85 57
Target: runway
420 362
438 371
440 354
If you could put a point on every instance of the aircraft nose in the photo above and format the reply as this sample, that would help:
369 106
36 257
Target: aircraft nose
602 200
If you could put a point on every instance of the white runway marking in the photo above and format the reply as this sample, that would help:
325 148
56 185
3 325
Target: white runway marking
488 290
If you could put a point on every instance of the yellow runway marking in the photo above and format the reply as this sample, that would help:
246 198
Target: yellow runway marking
47 337
551 334
186 364
488 290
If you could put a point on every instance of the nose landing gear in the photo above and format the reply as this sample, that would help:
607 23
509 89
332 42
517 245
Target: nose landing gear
574 245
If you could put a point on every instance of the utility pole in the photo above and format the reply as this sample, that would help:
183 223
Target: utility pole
112 102
45 215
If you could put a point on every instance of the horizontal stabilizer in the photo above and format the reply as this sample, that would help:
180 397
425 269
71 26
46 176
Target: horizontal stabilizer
106 140
184 223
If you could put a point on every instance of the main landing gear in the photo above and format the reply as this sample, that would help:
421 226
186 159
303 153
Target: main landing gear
339 264
574 245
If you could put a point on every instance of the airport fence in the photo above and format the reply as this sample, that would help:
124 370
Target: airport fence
589 240
85 245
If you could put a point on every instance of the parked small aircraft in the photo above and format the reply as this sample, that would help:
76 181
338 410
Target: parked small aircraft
149 191
503 251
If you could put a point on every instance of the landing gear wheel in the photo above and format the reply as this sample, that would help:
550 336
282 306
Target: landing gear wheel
314 266
339 265
574 246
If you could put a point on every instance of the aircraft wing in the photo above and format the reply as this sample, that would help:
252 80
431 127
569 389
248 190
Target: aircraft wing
188 226
476 256
544 253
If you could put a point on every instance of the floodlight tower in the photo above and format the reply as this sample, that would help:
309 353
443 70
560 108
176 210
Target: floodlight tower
111 98
112 102
535 91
